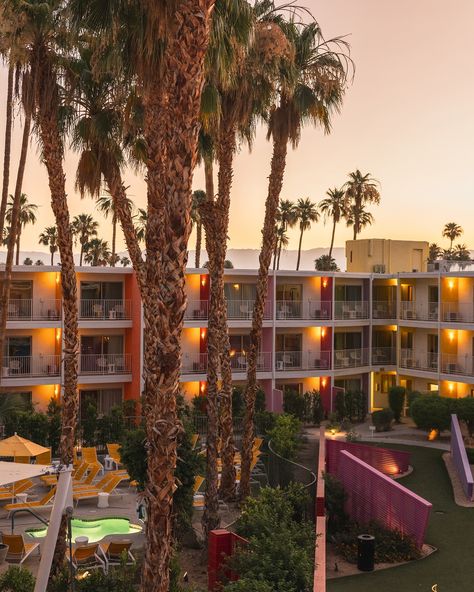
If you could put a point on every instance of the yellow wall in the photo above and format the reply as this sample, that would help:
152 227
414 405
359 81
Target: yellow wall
397 256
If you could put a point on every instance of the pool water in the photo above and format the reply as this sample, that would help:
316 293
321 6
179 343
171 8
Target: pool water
94 530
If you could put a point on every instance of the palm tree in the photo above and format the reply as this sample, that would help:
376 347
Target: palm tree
83 228
27 215
363 217
360 191
199 197
49 238
140 227
97 252
125 261
106 205
39 262
316 70
28 261
286 217
326 263
282 242
7 146
452 231
435 252
306 212
461 253
333 206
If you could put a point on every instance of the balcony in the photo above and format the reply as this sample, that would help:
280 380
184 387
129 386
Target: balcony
243 310
110 310
194 363
384 309
457 364
383 356
101 364
418 360
419 311
298 309
31 366
239 362
34 310
457 312
308 360
351 358
196 310
351 310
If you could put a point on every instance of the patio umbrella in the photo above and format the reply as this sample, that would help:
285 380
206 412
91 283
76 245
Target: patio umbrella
11 472
18 446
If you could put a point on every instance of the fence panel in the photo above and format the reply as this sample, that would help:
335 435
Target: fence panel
385 460
460 460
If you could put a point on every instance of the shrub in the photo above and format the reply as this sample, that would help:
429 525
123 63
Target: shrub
412 396
313 407
133 455
265 421
89 425
260 404
391 546
16 579
238 404
123 578
334 500
31 425
465 412
199 405
431 413
54 430
470 455
382 420
396 399
340 405
294 404
351 405
285 436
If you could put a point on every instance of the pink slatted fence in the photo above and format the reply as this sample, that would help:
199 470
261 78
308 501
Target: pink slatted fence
319 581
371 495
460 460
385 460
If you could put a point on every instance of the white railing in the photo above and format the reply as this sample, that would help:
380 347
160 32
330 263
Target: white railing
457 364
193 363
243 309
319 309
457 312
288 360
34 366
319 360
307 360
384 309
196 310
104 309
239 361
419 311
105 364
383 355
303 309
34 310
418 360
289 309
351 358
351 309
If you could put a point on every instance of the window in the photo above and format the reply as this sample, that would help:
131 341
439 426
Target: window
104 400
433 294
239 343
288 342
291 292
406 340
17 346
407 292
21 290
101 344
432 343
16 399
238 292
294 387
347 341
433 387
348 384
101 290
384 339
348 293
388 380
384 293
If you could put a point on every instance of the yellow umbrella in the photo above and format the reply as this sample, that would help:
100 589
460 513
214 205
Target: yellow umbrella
18 446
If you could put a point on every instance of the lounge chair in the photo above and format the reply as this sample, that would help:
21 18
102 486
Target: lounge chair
114 454
18 487
99 485
116 552
45 502
89 455
88 557
92 493
18 550
78 475
194 440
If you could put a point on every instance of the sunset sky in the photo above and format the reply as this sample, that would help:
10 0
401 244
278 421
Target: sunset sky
407 118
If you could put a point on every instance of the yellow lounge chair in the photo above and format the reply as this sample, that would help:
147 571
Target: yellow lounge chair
114 454
198 481
116 552
87 487
92 493
45 502
78 475
89 455
194 440
18 487
88 557
18 550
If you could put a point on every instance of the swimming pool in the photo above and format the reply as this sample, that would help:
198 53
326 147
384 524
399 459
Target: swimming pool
94 529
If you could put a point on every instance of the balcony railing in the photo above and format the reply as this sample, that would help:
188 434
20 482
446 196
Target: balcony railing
384 309
196 310
382 356
193 363
457 312
419 311
351 358
299 309
457 364
351 310
105 364
239 362
418 360
112 310
34 310
307 360
31 366
243 309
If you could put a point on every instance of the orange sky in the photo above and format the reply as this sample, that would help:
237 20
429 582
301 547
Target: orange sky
407 118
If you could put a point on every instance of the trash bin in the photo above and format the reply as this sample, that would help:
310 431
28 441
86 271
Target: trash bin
365 552
103 500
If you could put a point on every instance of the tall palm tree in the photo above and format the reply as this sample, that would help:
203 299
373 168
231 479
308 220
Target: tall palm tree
452 231
363 217
106 205
306 212
83 228
361 190
164 46
97 252
333 206
27 215
199 197
316 70
461 253
140 227
286 217
49 238
7 146
282 242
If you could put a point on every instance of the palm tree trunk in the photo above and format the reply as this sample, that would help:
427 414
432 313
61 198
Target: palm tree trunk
209 176
275 254
299 250
81 255
355 232
197 255
17 260
279 254
171 104
114 238
52 258
332 238
275 183
7 148
14 228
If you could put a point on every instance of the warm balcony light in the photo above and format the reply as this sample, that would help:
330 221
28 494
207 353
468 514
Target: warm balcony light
236 286
451 284
323 332
202 387
451 387
433 435
451 336
232 353
58 277
203 334
333 432
58 334
324 382
203 281
325 282
56 391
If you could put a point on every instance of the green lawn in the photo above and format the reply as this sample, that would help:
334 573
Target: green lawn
452 532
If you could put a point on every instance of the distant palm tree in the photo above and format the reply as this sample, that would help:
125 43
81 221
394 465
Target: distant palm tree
199 197
97 252
364 218
452 231
434 252
140 226
360 191
27 216
28 261
39 262
106 205
83 227
325 263
306 212
286 217
282 242
333 206
125 261
228 264
461 253
49 238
